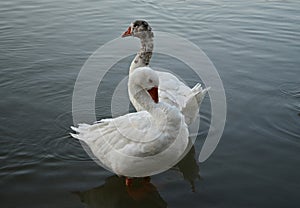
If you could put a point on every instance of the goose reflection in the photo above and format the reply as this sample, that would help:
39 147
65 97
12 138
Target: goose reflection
142 193
189 168
114 193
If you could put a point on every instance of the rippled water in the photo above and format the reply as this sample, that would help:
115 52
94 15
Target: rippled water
255 46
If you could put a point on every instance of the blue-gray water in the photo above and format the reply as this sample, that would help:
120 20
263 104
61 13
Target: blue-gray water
255 46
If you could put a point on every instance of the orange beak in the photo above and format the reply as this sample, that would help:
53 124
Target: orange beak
154 94
127 32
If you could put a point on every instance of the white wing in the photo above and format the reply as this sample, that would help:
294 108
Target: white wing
122 144
176 93
172 90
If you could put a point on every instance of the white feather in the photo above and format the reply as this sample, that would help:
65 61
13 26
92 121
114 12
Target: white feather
141 143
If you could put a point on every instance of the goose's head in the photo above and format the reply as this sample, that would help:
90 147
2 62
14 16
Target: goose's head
139 29
146 79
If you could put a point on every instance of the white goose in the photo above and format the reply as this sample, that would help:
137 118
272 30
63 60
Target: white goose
143 143
171 90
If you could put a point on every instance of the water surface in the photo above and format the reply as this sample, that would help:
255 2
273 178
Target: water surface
255 47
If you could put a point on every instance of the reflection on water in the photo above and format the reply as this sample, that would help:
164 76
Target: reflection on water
253 44
114 193
142 193
189 168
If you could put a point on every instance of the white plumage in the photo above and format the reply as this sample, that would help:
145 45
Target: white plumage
171 89
142 143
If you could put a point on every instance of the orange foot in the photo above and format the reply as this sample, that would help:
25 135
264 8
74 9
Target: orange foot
128 181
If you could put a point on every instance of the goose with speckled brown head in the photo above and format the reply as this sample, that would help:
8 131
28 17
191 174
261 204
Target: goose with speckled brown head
171 89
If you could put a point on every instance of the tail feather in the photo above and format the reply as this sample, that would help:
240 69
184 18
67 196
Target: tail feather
75 129
200 95
76 136
81 127
199 92
80 131
197 87
193 103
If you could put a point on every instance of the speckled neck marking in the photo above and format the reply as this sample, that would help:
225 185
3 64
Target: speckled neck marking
145 53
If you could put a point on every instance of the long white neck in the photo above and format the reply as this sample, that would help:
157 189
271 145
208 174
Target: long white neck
143 57
163 115
142 97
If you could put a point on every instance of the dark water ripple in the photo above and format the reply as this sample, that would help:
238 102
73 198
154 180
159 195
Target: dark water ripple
255 47
291 89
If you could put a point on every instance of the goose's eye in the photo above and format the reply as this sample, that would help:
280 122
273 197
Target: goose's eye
150 81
